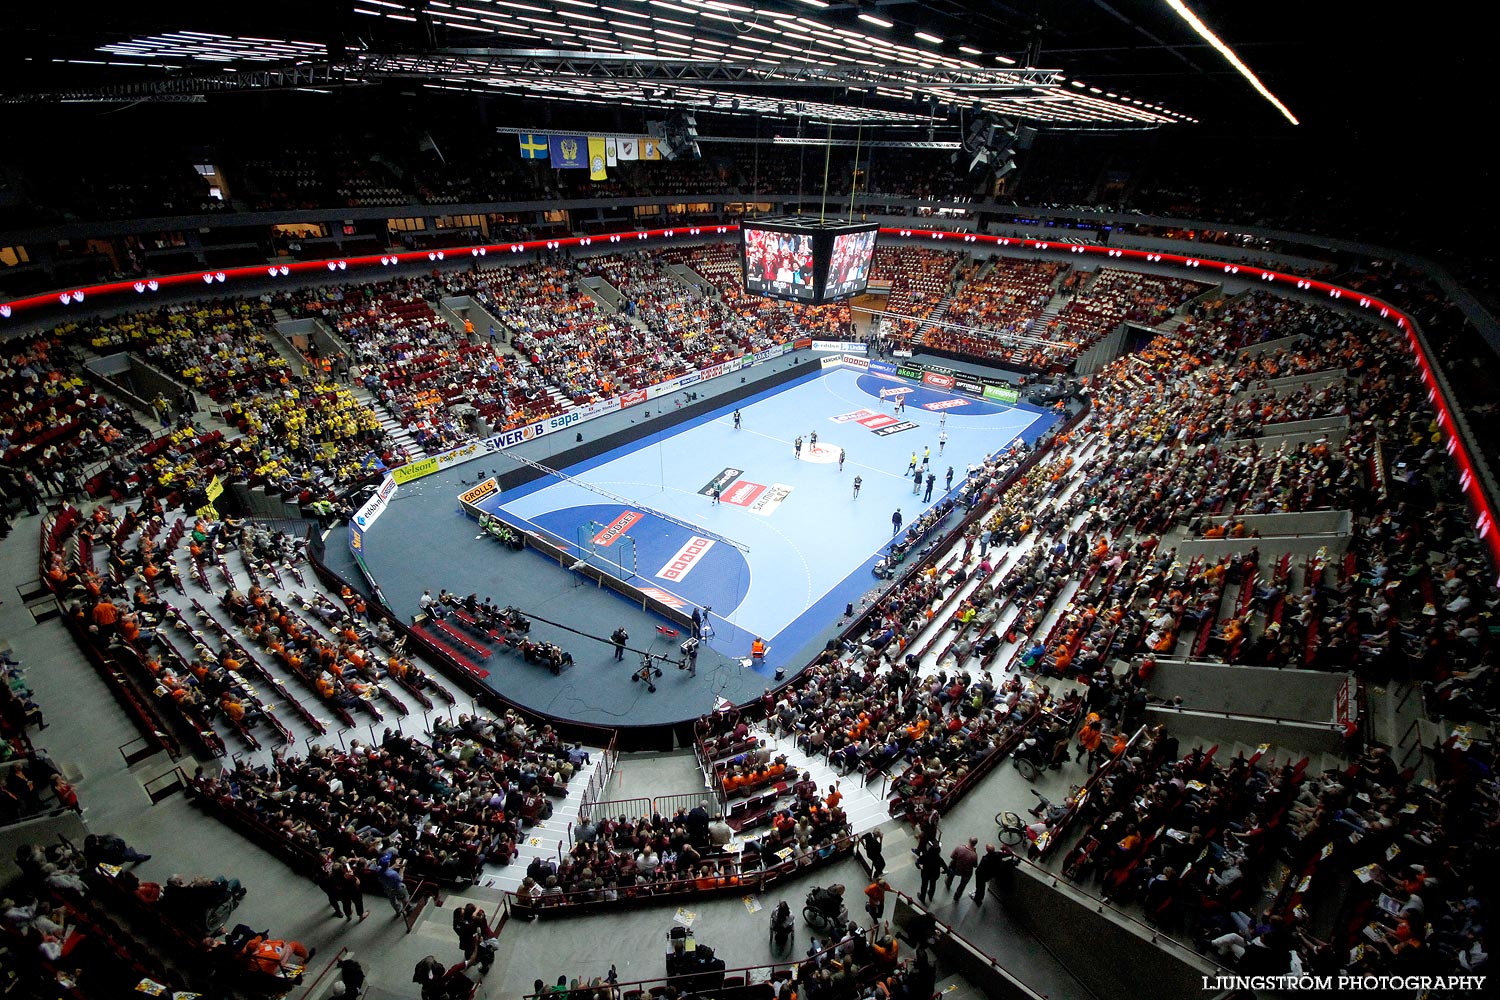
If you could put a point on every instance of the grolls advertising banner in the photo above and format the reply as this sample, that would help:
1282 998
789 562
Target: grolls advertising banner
471 498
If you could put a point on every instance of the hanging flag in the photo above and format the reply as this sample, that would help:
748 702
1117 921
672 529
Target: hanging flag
596 159
629 149
568 152
533 147
649 149
611 152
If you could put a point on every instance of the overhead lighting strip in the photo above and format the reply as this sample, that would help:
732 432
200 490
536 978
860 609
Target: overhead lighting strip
1204 32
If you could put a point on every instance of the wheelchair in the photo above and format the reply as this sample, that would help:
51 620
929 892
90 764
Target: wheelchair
818 917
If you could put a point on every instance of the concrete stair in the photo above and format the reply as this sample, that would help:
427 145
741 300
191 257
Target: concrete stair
550 837
864 804
388 423
935 317
1038 326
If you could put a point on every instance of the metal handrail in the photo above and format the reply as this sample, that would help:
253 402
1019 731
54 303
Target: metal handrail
680 887
1100 904
643 986
1246 716
950 931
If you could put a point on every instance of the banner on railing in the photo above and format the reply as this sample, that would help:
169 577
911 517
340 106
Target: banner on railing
375 506
471 498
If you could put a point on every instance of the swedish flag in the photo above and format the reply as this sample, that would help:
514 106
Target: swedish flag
533 147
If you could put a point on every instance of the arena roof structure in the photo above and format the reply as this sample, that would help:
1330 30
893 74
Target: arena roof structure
895 64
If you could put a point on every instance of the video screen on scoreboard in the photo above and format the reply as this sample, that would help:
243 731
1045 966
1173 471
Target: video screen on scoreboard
849 265
779 264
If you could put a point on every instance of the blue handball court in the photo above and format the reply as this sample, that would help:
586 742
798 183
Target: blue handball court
788 543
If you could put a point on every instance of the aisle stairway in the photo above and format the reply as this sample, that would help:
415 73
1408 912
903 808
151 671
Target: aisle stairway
865 805
390 424
550 838
935 317
1038 327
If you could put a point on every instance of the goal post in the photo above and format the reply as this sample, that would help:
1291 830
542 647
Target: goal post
614 553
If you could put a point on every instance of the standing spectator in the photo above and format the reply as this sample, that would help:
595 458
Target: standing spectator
468 927
428 974
962 863
328 881
873 844
875 899
394 887
989 869
349 890
697 823
895 518
66 796
931 480
930 865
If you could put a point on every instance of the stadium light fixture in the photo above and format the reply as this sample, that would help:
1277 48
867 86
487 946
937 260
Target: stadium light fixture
970 50
1203 30
934 39
878 21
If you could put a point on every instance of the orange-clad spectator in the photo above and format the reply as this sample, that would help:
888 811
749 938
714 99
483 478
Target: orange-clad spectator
106 614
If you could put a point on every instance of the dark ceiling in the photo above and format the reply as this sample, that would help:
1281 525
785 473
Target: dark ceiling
1338 66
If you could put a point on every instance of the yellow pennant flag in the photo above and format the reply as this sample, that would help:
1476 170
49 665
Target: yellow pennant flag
596 159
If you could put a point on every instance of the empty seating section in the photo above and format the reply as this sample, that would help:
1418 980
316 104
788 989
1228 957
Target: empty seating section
151 182
766 321
317 178
1003 300
920 280
679 326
